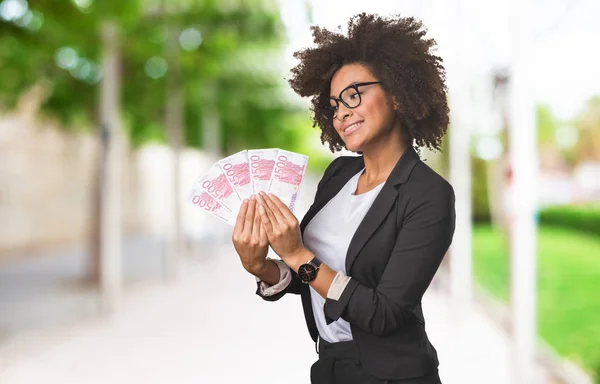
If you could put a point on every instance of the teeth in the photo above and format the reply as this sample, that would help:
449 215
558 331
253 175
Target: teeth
352 126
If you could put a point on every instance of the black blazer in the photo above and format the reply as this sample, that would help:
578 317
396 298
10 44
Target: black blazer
392 258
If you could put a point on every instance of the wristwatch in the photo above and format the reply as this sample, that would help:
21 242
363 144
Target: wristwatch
307 272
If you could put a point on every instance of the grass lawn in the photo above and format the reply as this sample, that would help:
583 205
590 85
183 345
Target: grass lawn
568 287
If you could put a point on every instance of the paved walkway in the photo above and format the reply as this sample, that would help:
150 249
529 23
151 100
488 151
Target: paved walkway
211 328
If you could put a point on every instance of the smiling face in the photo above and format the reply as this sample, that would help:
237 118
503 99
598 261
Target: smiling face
372 122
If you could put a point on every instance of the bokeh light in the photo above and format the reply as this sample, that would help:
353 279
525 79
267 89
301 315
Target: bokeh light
13 9
67 58
156 67
190 39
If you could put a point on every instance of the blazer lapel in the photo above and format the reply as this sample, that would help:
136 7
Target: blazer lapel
381 205
332 187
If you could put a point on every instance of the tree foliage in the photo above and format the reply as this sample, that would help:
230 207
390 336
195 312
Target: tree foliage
57 43
588 124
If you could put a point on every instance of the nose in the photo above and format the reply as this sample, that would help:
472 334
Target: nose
343 112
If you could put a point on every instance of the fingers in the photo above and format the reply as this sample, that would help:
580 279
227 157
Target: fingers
283 209
239 222
272 210
249 220
262 218
267 220
262 234
256 223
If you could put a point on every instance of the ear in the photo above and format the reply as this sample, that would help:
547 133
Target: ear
395 103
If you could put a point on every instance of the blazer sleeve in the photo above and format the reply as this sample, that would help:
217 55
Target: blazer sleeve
422 242
295 284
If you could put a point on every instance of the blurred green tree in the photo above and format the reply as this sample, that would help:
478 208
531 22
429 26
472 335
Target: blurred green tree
547 124
204 69
587 147
226 60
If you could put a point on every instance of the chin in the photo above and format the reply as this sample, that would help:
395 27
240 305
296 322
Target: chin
354 147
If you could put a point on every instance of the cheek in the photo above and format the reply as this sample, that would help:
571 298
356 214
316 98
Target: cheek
367 109
337 125
374 109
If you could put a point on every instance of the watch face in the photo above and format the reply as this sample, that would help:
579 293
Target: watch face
307 272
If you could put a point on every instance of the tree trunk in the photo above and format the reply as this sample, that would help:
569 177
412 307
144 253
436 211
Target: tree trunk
94 251
461 264
174 115
105 247
211 125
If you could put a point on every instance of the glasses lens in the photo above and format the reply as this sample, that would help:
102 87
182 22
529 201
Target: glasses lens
351 97
333 108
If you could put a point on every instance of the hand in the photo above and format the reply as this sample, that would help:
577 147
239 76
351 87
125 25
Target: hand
282 229
249 237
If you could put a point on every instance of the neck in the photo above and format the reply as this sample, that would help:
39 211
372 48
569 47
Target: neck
381 159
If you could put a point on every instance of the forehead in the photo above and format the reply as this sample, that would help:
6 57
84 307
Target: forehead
349 74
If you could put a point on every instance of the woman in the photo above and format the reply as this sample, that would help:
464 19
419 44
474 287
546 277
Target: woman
369 246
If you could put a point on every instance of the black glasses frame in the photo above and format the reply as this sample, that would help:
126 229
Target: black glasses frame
332 111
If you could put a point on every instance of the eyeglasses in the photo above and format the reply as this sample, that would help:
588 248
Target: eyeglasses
350 97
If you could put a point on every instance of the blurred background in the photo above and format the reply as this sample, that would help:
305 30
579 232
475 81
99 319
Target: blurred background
109 110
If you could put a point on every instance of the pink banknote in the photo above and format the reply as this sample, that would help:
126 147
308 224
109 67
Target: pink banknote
262 162
237 170
220 191
215 185
287 176
204 200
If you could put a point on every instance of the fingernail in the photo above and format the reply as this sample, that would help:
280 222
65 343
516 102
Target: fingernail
245 201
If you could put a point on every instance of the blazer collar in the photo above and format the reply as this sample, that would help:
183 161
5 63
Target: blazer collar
331 187
403 167
381 205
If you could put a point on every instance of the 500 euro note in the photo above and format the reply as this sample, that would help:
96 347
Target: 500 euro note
262 162
237 170
204 200
213 193
287 176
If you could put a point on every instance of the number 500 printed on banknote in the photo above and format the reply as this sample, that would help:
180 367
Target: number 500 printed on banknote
222 188
288 173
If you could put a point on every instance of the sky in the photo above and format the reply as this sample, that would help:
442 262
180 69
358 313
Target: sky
475 37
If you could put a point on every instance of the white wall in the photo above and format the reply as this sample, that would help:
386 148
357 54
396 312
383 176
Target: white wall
46 185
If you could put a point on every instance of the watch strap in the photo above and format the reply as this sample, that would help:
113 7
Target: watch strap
316 262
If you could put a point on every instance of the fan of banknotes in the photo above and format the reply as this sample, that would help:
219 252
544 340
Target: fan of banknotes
229 181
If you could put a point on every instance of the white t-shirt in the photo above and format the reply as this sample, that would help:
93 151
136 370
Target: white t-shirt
328 236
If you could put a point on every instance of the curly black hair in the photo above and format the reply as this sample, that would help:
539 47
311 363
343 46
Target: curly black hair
396 51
